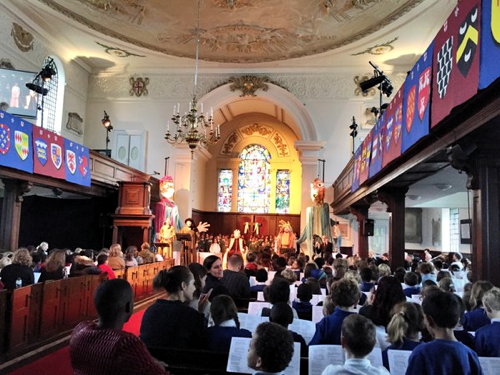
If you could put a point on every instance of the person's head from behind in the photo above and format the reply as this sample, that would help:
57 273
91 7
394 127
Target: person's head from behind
281 313
399 274
102 259
491 303
178 282
442 310
279 291
366 274
130 252
358 336
114 302
384 270
304 292
309 267
446 285
345 293
271 348
411 279
406 322
477 292
22 256
115 250
261 275
251 257
222 309
289 276
213 264
55 260
235 263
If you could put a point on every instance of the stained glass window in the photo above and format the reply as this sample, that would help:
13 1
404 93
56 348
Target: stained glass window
282 191
254 180
225 190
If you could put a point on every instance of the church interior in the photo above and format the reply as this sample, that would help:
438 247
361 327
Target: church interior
371 123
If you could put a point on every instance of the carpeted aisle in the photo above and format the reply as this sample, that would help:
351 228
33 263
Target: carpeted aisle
59 362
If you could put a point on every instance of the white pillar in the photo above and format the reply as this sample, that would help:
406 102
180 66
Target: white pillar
309 155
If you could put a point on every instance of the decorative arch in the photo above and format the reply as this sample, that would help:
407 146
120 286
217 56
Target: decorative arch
303 125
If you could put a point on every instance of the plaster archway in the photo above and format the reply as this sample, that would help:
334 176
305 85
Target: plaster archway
302 123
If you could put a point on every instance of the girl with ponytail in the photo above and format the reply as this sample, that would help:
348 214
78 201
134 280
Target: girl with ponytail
170 322
404 328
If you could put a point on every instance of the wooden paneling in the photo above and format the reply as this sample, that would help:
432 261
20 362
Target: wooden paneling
4 298
50 308
19 321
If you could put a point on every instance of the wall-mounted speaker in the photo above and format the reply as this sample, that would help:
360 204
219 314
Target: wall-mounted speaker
369 226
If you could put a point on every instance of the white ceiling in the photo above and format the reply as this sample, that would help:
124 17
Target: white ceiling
254 34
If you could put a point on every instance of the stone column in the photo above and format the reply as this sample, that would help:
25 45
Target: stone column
11 212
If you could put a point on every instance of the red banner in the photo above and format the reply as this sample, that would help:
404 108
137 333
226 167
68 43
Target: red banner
456 60
393 128
48 149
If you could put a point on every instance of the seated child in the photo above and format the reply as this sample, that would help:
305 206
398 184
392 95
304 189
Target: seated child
282 314
476 318
251 267
358 340
403 331
102 264
225 316
303 305
345 296
367 283
411 281
444 355
488 337
261 278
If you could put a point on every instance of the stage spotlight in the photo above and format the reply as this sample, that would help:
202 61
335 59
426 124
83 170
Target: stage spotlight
372 82
106 122
37 88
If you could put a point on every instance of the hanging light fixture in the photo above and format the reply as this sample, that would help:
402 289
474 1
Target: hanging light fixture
193 127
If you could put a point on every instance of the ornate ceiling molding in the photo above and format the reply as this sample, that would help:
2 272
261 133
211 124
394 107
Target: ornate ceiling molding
248 85
236 31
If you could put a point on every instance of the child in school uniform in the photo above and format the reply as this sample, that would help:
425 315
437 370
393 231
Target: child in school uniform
403 331
411 281
476 318
487 338
444 355
358 339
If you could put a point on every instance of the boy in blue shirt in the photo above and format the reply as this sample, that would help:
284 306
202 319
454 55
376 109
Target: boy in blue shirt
487 338
444 355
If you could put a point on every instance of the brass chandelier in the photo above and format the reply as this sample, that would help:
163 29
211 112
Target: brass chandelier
193 127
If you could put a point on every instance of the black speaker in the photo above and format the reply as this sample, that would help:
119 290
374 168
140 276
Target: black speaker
369 226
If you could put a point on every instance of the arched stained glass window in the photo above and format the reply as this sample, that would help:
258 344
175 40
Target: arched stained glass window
282 191
225 190
254 180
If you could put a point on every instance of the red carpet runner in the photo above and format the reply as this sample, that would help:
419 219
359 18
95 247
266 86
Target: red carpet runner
59 363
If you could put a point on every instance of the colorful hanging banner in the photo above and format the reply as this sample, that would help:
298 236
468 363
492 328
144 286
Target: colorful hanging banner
357 164
417 100
377 147
77 163
490 43
15 142
456 60
48 151
393 128
366 151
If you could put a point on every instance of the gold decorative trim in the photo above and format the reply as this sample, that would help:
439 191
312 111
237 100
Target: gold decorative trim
248 84
256 128
138 86
229 144
22 38
280 145
378 49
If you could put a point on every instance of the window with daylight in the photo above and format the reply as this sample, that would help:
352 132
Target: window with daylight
282 191
225 190
254 180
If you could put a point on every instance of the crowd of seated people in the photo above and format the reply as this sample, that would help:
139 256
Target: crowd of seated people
427 307
25 266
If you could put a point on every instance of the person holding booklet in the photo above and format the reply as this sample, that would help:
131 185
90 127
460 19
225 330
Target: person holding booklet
444 355
358 340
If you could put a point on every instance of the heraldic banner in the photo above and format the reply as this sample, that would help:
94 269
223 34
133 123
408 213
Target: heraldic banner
15 143
364 165
357 162
456 60
416 100
76 162
377 147
490 43
48 151
392 131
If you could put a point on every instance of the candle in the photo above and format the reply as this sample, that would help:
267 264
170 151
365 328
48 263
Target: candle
201 107
168 126
211 112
